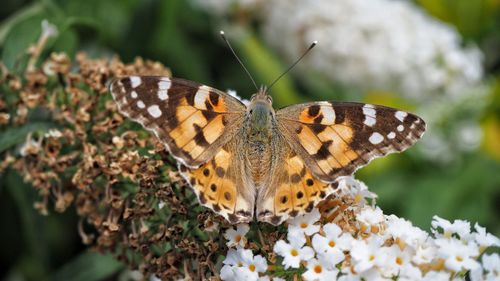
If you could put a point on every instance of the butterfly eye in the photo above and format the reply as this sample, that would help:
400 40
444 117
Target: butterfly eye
269 99
252 97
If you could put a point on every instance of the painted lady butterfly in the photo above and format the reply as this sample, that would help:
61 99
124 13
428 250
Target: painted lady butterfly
251 160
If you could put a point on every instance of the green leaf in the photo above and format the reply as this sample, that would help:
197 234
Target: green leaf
34 259
29 11
20 37
66 42
17 135
89 266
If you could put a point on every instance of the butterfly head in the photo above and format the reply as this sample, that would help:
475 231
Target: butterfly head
260 110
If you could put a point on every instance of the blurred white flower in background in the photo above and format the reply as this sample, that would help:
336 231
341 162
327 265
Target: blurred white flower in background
375 45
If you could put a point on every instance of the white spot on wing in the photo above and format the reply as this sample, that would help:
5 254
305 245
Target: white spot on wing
154 111
376 138
162 94
135 81
164 84
369 109
200 97
328 115
141 104
370 115
133 94
400 115
400 128
391 135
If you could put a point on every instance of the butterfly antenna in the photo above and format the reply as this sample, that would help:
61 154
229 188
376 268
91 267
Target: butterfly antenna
314 43
222 34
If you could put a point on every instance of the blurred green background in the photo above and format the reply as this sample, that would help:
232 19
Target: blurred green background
183 35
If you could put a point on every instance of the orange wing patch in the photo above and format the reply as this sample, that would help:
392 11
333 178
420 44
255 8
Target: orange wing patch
192 120
293 191
216 185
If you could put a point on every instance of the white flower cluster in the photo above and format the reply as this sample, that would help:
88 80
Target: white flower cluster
376 45
378 247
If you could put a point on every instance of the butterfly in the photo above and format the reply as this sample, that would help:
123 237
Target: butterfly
246 161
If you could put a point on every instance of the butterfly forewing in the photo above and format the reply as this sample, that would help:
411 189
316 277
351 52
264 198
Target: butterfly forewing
192 120
335 139
198 126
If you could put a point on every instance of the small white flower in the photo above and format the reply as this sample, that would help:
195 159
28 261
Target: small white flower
237 237
374 274
484 239
458 256
491 264
424 254
305 223
403 231
318 271
459 227
436 276
295 251
392 260
332 245
241 264
410 272
371 218
366 253
356 189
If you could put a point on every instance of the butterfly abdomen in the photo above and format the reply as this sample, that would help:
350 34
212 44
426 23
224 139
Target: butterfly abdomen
258 133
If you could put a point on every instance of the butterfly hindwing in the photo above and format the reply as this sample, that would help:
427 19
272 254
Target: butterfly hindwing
335 139
192 120
291 189
219 185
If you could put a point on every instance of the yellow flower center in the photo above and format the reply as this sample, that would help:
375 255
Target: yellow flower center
303 225
331 243
294 253
318 269
251 267
399 260
459 258
237 238
372 257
